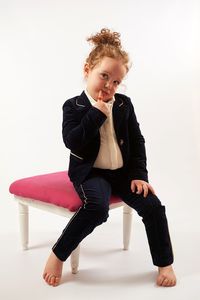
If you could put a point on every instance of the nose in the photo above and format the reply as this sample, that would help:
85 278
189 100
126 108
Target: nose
107 84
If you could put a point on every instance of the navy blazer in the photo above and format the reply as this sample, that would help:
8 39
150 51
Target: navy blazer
80 130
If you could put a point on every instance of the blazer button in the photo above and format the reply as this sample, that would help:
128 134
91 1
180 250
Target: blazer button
121 141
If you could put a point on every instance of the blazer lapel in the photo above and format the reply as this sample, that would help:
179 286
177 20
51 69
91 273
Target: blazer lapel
83 101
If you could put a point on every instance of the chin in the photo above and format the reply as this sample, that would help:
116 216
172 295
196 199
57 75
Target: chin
106 100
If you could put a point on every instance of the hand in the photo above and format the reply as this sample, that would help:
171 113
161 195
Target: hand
101 105
141 186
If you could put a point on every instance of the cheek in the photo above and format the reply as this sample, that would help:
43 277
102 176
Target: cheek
114 89
98 84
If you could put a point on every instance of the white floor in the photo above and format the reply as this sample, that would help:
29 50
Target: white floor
106 271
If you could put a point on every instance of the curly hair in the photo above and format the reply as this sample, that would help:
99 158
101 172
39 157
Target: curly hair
106 43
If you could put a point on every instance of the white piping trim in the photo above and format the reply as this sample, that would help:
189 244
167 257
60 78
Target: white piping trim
76 155
121 103
67 227
79 104
85 198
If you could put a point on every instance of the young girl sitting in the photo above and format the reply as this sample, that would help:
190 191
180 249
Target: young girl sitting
108 156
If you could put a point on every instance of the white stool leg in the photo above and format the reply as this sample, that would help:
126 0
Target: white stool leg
75 260
127 225
23 225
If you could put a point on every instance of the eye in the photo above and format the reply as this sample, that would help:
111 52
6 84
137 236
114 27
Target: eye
116 82
104 76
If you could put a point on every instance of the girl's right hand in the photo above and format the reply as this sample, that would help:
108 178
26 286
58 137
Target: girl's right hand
101 105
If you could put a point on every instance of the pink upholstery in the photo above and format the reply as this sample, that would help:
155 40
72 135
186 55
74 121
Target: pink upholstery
55 188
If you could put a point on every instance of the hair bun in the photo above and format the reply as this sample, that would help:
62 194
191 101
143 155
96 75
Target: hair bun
106 43
105 37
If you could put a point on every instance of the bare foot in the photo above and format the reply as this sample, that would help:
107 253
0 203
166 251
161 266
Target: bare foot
166 276
53 270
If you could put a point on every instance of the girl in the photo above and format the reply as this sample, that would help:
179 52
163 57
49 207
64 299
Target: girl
108 156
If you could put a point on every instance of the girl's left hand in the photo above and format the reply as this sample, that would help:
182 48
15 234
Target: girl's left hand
141 186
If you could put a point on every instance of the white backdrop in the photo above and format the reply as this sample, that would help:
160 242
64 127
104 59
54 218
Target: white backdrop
42 52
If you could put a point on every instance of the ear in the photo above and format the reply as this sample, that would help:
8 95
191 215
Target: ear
86 69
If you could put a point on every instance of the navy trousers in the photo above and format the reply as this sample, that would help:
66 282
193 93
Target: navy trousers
95 192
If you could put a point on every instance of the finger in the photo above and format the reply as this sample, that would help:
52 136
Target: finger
145 189
151 189
139 189
100 95
133 186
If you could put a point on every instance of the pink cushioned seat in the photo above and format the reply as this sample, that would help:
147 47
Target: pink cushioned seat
55 188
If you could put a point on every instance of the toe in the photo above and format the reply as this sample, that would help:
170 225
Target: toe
56 281
52 280
47 278
174 282
167 281
160 280
164 282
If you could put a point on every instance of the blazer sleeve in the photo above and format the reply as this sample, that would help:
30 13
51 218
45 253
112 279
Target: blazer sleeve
138 160
79 128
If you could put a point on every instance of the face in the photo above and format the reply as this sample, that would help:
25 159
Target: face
106 76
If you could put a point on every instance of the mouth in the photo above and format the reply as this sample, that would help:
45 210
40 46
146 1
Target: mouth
105 94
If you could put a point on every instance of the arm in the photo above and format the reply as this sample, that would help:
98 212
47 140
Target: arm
138 159
138 172
78 131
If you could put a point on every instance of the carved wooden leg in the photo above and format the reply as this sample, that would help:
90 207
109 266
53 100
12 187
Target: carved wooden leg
127 225
23 225
75 260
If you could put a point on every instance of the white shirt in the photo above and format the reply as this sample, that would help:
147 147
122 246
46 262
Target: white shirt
109 156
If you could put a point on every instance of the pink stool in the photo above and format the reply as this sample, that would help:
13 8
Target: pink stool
54 193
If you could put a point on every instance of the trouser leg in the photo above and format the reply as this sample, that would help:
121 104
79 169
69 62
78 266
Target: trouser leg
95 194
154 218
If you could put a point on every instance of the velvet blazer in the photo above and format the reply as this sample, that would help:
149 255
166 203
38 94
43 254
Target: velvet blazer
80 131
